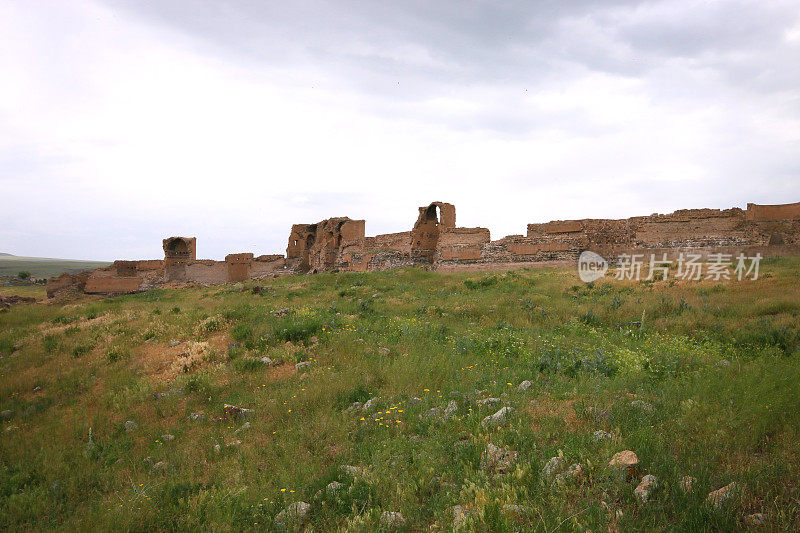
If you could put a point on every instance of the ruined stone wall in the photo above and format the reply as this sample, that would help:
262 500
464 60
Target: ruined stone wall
462 244
206 272
267 265
695 228
773 212
66 282
390 241
112 284
436 242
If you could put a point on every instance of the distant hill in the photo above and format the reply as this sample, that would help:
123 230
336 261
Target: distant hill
44 267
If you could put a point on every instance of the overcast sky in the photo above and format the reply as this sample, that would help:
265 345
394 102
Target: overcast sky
122 123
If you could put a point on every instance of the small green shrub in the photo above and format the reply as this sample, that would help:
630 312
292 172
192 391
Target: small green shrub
297 328
241 332
247 364
6 346
80 350
49 343
481 283
116 353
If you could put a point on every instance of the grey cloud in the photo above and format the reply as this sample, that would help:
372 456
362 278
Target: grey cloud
602 78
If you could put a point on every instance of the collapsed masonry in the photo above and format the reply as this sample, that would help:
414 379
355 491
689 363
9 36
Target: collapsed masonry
436 242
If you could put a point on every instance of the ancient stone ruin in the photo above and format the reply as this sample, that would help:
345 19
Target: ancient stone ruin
436 242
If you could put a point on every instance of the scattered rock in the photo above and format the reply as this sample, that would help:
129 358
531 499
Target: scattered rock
166 437
602 435
451 409
489 401
383 351
175 343
160 466
517 511
499 418
352 471
687 484
356 406
303 365
369 405
244 427
553 467
197 416
624 460
37 388
217 448
573 472
460 516
755 520
392 520
8 301
334 487
294 516
431 413
233 443
598 414
720 497
235 411
645 489
723 363
641 404
525 385
497 459
281 312
6 415
266 360
303 376
130 425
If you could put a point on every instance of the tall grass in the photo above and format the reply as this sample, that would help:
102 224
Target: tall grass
717 364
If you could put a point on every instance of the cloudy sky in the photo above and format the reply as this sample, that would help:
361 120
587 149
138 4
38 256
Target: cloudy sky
122 123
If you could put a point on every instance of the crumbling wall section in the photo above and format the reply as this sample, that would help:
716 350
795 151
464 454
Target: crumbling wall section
436 242
760 213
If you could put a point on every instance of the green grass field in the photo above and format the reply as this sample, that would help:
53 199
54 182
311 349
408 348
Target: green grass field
43 267
698 379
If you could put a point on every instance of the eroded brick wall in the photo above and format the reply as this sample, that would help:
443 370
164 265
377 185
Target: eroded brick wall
436 242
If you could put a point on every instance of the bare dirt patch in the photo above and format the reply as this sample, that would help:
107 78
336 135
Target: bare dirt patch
546 407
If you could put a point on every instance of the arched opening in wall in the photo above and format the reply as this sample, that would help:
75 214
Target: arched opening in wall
433 213
339 241
309 241
425 237
177 246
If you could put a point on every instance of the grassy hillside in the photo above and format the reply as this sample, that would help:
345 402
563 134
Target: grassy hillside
43 267
110 423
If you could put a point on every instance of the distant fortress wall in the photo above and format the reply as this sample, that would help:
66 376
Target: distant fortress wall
436 242
773 212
